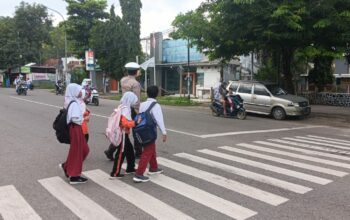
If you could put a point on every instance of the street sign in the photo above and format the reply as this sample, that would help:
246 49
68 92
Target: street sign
89 60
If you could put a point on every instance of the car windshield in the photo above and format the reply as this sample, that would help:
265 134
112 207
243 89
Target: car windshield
276 90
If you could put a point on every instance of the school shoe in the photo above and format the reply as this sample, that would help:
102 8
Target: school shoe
108 155
140 179
118 176
157 171
77 180
130 171
64 170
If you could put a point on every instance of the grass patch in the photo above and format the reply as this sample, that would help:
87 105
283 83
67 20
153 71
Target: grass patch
164 100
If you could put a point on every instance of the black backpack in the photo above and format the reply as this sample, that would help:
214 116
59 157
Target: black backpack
145 132
61 127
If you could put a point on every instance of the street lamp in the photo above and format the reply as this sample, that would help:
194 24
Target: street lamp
65 43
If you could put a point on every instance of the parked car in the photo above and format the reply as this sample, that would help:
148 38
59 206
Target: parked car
269 99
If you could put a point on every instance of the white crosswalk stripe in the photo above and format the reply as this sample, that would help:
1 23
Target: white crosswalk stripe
317 143
313 147
147 203
271 168
331 139
235 186
314 159
287 162
324 141
74 200
211 201
247 174
13 206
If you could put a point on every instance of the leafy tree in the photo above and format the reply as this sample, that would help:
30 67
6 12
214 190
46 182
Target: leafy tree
110 39
83 15
131 10
32 24
56 48
226 28
9 51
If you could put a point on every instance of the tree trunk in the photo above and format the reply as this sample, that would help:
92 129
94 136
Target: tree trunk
287 57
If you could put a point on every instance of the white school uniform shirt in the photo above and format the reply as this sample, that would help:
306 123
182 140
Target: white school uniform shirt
156 111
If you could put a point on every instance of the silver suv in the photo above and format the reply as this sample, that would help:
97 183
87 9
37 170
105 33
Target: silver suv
269 99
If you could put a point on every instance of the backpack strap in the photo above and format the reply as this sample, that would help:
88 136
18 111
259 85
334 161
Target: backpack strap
70 104
151 106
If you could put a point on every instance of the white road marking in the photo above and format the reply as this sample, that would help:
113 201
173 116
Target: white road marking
13 206
310 152
232 185
143 201
214 202
287 162
325 141
298 156
331 139
264 166
247 174
317 143
258 131
191 134
74 200
298 144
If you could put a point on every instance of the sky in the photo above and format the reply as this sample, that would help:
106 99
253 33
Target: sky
156 15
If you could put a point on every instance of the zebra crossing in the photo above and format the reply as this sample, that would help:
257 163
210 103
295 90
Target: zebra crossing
318 161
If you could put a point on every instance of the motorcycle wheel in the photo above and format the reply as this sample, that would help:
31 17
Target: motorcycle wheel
241 114
96 102
25 92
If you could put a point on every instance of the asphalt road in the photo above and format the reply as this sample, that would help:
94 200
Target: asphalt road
215 168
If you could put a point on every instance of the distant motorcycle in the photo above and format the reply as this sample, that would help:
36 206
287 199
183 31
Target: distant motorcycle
234 107
92 96
22 88
59 89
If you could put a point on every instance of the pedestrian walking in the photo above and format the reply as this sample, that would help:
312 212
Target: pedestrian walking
130 84
125 148
149 155
79 149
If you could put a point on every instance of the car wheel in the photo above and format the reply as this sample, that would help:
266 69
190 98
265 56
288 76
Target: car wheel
278 113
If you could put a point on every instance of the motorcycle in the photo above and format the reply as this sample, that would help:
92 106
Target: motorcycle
92 96
234 107
22 89
59 89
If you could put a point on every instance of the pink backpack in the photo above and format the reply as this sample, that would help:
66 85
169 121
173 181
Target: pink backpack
113 131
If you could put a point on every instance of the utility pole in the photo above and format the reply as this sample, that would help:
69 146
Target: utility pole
188 69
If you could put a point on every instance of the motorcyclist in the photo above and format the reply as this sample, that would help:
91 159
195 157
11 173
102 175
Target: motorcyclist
220 93
58 85
18 82
86 84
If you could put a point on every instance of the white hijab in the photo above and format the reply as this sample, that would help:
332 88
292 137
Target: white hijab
128 100
75 112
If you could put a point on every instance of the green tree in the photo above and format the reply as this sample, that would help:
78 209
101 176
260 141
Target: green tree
83 15
131 10
56 48
9 51
32 25
226 28
110 39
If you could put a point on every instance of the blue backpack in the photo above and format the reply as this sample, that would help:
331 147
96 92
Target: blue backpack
145 132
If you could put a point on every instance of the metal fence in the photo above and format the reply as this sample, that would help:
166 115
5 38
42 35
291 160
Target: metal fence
325 98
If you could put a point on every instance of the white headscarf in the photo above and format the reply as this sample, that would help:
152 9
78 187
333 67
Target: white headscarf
75 112
128 100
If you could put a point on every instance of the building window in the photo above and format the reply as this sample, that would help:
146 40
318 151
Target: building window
200 79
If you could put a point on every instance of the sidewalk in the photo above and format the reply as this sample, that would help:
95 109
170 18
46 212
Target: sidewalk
330 111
